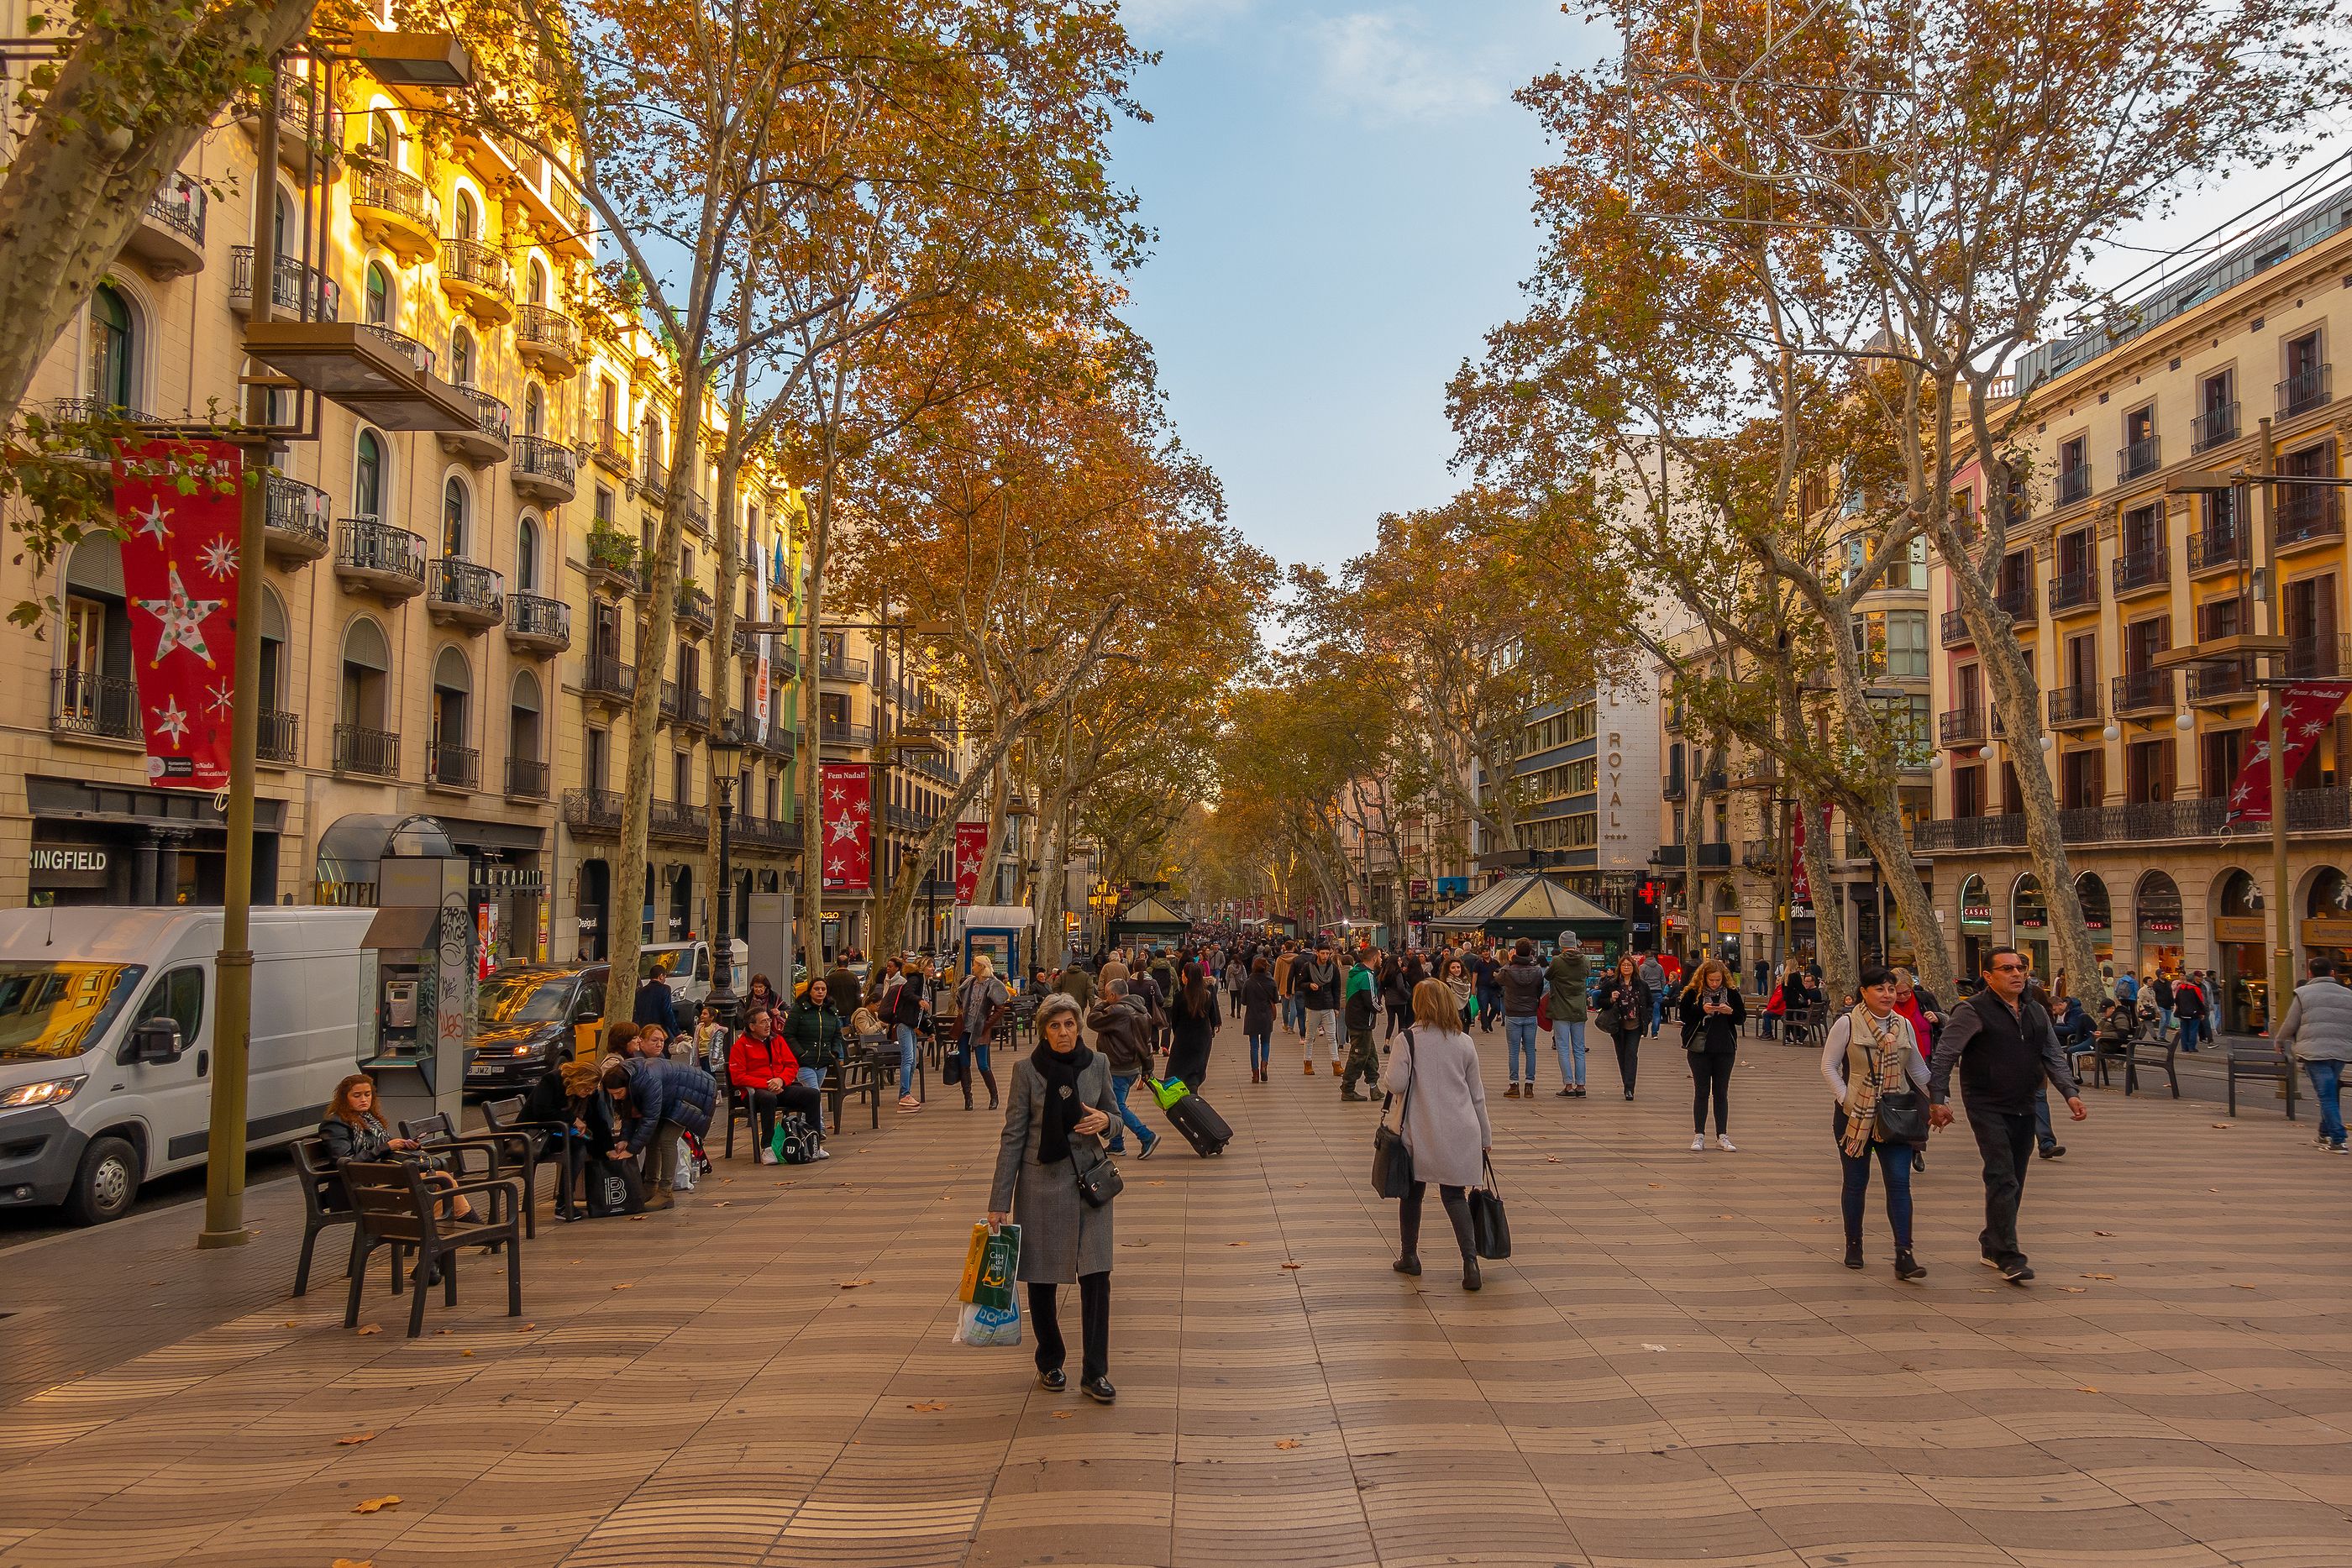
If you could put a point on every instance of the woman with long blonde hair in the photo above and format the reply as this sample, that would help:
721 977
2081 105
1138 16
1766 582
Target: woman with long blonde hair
1712 1013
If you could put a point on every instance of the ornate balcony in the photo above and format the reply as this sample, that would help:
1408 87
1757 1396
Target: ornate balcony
419 355
279 739
2215 427
2225 548
295 522
1955 629
2138 457
607 681
302 293
306 124
543 469
2319 658
458 767
538 624
2224 682
380 558
491 438
526 780
652 481
837 667
374 753
170 238
612 561
592 811
2017 600
1963 726
688 710
841 732
2075 589
2303 392
478 279
2074 707
675 820
396 212
695 611
2307 515
2143 690
2142 571
614 454
102 707
465 594
548 342
2073 485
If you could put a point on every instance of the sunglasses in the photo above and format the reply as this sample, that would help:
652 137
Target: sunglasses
2009 968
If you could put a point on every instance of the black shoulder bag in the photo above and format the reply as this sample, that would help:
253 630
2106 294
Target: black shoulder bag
1391 1161
1901 1114
1490 1228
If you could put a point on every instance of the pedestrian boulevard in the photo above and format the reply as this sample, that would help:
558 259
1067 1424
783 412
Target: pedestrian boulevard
1674 1367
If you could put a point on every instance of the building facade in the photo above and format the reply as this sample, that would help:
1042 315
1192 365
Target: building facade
2117 566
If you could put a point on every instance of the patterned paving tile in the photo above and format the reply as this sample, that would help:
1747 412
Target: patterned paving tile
1673 1370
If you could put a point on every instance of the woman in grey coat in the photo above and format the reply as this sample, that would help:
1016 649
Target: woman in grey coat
1062 1103
1435 1072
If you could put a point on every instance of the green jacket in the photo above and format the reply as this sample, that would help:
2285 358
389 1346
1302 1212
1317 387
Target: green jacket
1077 985
1567 978
815 1033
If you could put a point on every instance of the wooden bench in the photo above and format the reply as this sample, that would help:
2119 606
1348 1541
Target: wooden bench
2262 1063
397 1208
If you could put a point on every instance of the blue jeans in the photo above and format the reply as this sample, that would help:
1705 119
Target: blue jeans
1120 1082
2328 1084
811 1077
1294 1012
2191 1032
1520 1034
1894 1165
2042 1136
1567 1038
1261 1053
907 1053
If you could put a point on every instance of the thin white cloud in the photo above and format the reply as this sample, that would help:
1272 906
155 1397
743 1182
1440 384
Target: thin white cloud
1152 21
1385 66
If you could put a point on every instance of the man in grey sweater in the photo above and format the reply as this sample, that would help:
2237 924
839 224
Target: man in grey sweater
2317 1033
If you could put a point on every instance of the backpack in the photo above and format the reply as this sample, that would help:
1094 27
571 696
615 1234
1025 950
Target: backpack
795 1140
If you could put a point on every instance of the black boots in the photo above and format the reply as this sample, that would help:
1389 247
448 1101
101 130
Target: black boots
1907 1267
1854 1254
988 1078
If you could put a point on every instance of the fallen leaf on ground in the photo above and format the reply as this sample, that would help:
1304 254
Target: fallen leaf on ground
2238 1287
1287 1443
637 1220
2071 1290
1293 1265
620 1287
2103 1233
1658 1187
377 1505
1236 1243
370 1328
352 1563
522 1326
2098 1276
443 1331
1551 1159
1063 1415
355 1440
722 1203
1155 1184
291 1323
929 1404
853 1284
2221 1126
2086 1388
465 1353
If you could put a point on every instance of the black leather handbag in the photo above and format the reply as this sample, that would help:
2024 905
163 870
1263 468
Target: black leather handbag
1391 1161
1901 1114
1490 1228
1100 1182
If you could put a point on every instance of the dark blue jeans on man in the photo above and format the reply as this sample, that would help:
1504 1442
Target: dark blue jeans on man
2327 1087
1120 1082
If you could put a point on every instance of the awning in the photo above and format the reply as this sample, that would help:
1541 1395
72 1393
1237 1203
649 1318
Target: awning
351 849
491 835
1530 904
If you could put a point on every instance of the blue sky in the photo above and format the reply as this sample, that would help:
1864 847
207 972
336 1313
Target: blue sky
1342 198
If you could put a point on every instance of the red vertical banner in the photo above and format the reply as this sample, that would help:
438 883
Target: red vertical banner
848 818
2311 707
179 500
1800 885
970 849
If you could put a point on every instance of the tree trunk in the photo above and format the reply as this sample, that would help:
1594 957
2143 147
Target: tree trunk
2017 697
128 103
1829 910
1881 827
656 623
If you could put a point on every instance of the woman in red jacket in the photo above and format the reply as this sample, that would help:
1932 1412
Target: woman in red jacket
761 1065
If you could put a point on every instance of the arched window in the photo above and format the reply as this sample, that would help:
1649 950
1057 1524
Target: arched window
367 664
453 691
2330 897
534 410
113 344
535 282
523 731
384 138
2098 913
273 652
2027 910
468 223
379 297
2240 895
367 477
455 504
527 556
461 357
280 211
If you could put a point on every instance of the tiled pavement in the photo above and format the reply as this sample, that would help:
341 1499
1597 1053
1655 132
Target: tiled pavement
1674 1369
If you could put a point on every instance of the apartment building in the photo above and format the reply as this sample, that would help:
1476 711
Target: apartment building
2113 570
1586 771
449 633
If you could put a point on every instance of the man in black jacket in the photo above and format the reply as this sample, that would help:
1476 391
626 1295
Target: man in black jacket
2004 1045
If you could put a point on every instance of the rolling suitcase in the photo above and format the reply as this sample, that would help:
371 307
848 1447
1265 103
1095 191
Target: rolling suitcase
1207 1131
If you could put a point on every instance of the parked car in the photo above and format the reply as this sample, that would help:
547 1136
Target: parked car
106 1041
524 1015
686 967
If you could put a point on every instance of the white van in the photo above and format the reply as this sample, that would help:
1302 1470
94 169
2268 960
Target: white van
106 1041
686 967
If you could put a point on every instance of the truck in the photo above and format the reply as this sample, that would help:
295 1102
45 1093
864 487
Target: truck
106 1044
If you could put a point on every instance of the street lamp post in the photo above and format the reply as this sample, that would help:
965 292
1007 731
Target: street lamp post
726 752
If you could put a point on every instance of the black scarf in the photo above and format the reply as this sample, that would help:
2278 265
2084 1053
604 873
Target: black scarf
1060 1070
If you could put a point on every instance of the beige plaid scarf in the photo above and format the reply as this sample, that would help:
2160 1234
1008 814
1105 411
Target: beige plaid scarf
1890 1075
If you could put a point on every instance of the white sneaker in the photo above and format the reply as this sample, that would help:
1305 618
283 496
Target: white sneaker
1699 1143
824 1154
767 1156
1725 1144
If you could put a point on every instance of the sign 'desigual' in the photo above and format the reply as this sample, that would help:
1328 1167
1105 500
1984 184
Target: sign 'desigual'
180 568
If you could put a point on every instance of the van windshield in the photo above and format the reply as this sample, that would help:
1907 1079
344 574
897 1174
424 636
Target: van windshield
522 999
49 1012
663 963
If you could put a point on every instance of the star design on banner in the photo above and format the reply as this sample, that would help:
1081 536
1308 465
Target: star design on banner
152 521
184 619
222 697
836 866
220 559
2244 793
835 794
858 807
844 830
171 721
